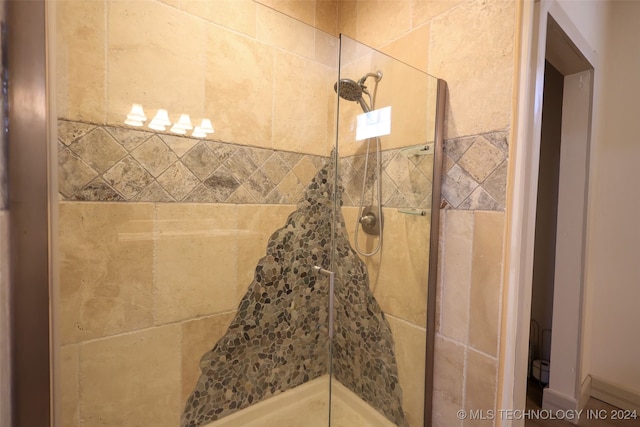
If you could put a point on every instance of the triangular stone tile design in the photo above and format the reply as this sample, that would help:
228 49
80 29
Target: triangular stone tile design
279 338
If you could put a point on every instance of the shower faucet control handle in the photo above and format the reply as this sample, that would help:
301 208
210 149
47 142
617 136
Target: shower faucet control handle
368 220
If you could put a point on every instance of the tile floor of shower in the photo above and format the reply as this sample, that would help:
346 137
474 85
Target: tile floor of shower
308 405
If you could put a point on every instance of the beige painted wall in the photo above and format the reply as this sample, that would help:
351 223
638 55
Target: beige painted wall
614 273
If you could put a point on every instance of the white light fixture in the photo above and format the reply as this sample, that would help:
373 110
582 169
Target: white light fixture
206 126
160 120
198 132
184 122
136 116
176 128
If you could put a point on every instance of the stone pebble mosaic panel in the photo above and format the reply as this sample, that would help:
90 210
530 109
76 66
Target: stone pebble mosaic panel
279 338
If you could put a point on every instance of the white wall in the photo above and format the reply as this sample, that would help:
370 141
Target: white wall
614 230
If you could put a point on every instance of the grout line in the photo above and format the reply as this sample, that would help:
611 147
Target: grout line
173 323
406 322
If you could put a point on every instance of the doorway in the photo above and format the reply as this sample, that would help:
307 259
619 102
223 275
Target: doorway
555 40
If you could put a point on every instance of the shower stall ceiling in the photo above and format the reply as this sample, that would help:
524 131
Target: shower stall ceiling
184 261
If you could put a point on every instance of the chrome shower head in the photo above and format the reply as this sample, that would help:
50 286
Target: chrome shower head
348 89
351 91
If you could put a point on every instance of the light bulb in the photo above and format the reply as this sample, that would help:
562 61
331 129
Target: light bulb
176 128
206 126
184 122
198 132
136 116
160 121
162 117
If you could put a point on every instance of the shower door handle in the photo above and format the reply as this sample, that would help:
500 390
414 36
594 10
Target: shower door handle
331 275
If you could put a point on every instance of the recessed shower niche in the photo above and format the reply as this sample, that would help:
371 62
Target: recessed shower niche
232 280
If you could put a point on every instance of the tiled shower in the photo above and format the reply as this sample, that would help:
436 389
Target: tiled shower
171 247
160 235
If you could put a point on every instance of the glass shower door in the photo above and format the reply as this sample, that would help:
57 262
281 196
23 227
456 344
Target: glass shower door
385 131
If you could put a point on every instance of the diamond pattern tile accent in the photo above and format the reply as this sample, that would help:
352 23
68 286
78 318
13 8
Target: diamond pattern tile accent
275 168
481 159
98 189
128 177
496 184
259 185
416 188
154 193
457 185
479 199
127 137
179 144
201 161
178 180
73 173
221 183
240 164
154 156
98 149
69 132
119 164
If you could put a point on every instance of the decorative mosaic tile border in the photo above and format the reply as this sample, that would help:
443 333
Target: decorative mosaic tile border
106 163
279 338
406 180
475 172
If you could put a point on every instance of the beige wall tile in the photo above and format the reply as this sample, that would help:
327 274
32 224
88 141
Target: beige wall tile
480 386
80 60
348 17
447 382
486 278
472 49
412 48
256 224
68 385
327 51
106 253
132 380
398 274
195 263
300 108
239 87
457 252
406 90
410 349
425 10
304 11
380 21
158 66
275 29
401 289
238 15
198 337
174 3
327 16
